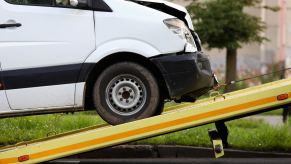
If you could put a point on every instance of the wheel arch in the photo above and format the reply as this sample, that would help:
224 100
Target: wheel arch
115 58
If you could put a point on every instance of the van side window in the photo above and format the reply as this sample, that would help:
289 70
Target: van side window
32 2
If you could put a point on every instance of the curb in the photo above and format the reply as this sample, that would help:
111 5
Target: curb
176 161
171 151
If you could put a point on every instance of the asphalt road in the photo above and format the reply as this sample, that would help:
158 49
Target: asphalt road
179 161
170 151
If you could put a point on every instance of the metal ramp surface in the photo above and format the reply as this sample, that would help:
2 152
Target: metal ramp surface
231 105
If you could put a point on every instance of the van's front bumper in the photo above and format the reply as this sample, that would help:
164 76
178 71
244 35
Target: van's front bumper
186 74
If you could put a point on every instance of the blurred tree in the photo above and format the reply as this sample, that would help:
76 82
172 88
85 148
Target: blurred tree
224 24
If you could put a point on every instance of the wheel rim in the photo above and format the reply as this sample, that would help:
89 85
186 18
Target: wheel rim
125 95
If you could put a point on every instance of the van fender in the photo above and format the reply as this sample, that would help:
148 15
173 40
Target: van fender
122 45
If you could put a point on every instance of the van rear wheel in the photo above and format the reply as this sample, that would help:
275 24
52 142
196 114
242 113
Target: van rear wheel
125 92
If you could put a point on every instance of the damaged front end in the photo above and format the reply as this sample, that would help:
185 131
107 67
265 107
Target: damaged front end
187 75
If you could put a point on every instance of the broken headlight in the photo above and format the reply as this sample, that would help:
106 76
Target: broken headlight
179 28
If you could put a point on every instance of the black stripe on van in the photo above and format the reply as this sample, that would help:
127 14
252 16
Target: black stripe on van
45 76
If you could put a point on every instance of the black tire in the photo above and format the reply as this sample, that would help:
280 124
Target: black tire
125 92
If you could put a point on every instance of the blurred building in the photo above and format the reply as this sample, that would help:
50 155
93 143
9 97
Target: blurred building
254 57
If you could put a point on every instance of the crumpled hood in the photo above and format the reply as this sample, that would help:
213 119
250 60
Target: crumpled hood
168 8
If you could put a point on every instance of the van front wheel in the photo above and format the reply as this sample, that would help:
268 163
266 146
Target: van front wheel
125 92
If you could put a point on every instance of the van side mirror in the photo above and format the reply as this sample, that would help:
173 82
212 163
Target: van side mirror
79 3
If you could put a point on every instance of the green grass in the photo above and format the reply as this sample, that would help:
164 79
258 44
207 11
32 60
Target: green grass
244 134
20 129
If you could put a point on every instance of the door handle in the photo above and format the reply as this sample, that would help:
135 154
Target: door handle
8 25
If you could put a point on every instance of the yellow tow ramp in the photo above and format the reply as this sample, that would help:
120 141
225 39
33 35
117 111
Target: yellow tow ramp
184 116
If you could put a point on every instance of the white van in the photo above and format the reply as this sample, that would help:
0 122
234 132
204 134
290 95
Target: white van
120 57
